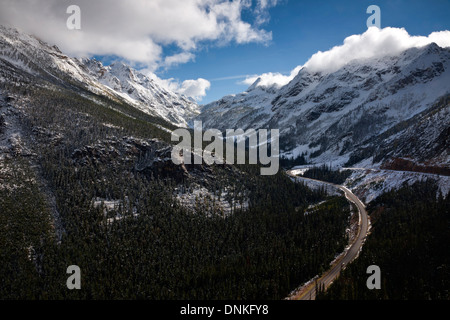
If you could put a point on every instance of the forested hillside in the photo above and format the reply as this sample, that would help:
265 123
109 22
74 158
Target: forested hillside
409 242
326 173
86 181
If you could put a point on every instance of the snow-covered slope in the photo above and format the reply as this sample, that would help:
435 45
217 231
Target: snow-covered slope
118 81
142 92
340 116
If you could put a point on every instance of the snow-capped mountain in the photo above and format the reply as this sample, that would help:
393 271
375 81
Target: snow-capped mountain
118 81
370 111
354 114
143 92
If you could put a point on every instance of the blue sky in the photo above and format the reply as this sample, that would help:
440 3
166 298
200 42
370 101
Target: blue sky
207 48
300 29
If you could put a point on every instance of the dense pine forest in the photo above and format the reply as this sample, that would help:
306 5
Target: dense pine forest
74 156
409 242
326 173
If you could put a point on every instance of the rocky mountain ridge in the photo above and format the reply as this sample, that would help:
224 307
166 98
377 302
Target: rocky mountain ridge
118 81
353 115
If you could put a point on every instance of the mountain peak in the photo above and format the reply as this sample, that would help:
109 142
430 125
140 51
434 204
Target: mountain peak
254 85
120 69
433 48
258 85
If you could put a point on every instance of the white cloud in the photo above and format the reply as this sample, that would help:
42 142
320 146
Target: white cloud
195 89
262 10
138 30
230 77
271 79
177 59
371 44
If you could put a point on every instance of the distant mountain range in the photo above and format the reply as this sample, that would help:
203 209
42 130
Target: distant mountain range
390 112
369 112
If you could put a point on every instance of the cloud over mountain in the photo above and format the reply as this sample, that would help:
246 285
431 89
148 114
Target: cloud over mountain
371 44
272 79
195 89
138 31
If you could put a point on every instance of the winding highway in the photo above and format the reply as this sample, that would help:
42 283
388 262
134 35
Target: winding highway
327 278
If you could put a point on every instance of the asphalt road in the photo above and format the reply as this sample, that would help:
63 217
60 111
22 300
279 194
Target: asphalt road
329 276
